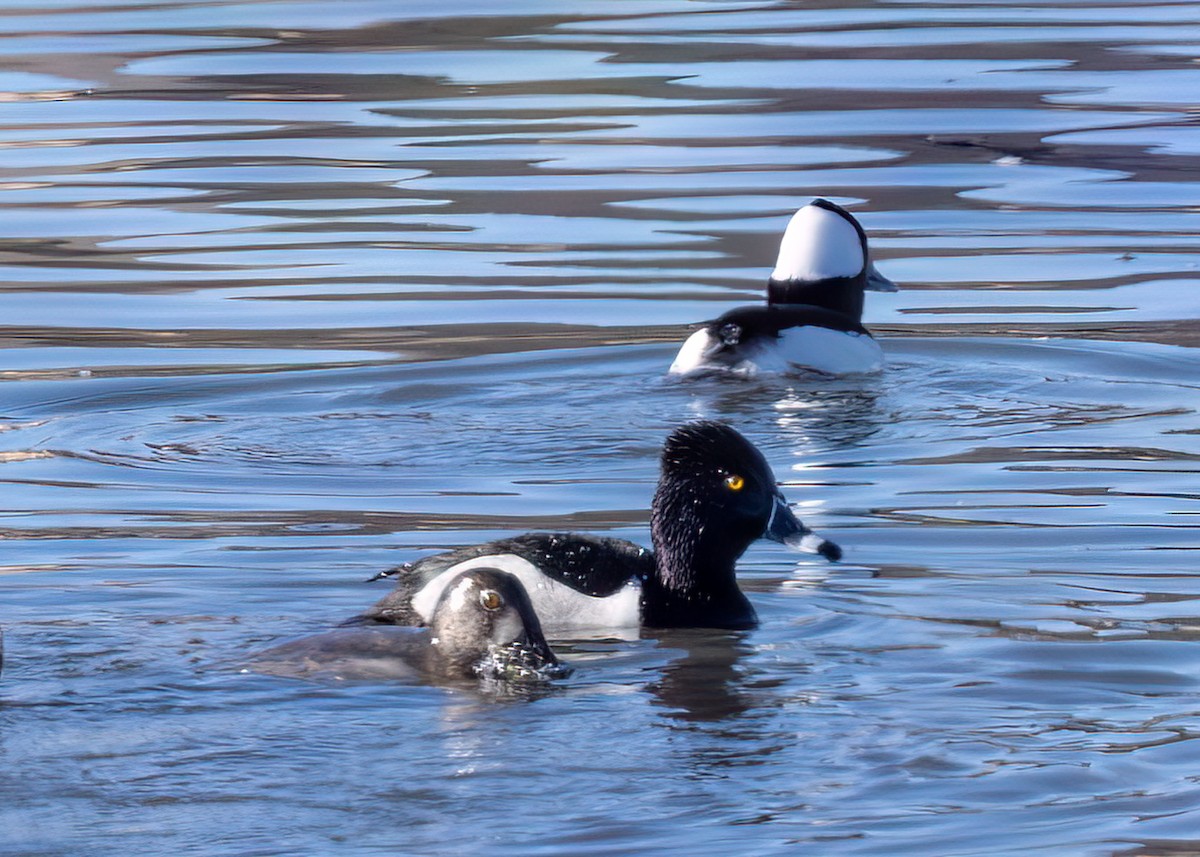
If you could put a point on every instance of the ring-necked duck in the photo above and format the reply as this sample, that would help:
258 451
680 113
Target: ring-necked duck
813 317
716 495
481 626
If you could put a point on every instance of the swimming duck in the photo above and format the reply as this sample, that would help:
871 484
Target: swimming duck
716 495
813 317
482 626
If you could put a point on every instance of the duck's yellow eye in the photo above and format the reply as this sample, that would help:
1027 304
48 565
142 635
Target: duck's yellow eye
735 482
491 599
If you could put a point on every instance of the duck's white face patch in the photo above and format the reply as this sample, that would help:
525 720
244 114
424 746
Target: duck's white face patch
563 611
691 354
818 244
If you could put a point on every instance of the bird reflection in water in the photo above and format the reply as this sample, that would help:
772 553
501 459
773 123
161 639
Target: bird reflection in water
707 683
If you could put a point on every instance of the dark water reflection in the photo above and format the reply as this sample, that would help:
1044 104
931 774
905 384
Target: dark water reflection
294 291
705 683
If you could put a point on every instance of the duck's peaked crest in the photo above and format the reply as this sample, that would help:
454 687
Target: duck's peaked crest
707 445
824 262
822 241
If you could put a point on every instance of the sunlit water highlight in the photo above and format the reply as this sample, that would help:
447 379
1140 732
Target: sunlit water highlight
295 291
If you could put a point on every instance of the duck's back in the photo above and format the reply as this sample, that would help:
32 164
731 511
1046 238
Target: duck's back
575 582
349 654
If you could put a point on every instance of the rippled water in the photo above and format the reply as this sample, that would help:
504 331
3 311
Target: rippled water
294 291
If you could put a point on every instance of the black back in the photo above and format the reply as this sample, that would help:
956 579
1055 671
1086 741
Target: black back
759 322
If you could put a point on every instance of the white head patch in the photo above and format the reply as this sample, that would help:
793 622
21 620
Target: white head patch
458 595
818 244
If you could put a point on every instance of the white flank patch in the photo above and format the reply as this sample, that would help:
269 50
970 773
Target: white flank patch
818 244
834 352
808 348
691 353
563 611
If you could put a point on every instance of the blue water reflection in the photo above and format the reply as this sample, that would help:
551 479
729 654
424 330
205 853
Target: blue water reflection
296 291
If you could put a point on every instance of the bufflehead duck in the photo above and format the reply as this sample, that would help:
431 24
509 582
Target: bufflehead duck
481 627
813 317
716 495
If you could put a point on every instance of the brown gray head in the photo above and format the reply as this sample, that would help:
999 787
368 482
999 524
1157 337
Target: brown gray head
484 626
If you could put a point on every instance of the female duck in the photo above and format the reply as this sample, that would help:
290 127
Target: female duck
813 317
715 496
482 626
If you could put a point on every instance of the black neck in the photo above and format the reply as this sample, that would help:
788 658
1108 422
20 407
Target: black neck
726 607
694 584
840 294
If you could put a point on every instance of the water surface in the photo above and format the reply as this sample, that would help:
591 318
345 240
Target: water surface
296 291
